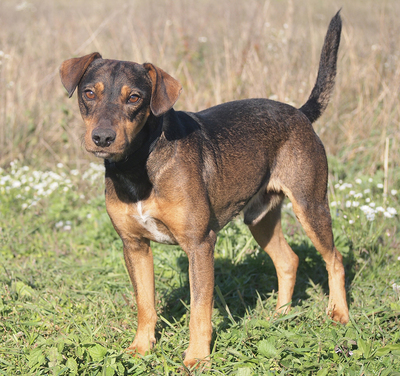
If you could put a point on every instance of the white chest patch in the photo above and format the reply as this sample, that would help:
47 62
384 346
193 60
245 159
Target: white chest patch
150 225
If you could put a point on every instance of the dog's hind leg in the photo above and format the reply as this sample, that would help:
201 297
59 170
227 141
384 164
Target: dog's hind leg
268 234
314 216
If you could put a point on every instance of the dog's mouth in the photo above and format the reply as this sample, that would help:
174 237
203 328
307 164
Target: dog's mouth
102 154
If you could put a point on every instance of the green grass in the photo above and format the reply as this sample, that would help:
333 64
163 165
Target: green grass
67 306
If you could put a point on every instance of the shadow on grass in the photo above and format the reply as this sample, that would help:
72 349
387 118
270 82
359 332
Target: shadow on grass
241 285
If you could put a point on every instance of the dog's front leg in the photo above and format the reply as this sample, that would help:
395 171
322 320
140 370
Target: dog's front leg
201 278
139 262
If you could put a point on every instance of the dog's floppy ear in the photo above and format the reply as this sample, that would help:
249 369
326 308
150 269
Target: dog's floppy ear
165 90
72 70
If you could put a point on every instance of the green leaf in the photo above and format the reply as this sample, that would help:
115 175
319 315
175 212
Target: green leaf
323 372
22 289
364 347
244 372
97 352
36 358
109 371
267 349
72 365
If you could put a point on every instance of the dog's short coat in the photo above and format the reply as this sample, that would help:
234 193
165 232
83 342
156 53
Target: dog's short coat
178 177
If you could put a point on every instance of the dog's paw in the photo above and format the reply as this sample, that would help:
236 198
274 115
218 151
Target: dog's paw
197 359
339 315
141 346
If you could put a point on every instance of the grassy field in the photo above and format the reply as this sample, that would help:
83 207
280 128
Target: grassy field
66 302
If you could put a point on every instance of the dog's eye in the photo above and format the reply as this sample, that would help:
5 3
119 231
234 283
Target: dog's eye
133 98
90 94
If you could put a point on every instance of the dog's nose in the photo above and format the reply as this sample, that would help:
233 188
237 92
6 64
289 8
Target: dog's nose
103 137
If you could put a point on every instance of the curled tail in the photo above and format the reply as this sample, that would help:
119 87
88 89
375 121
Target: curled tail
321 93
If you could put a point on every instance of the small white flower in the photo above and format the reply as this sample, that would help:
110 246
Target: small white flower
60 165
333 203
355 204
393 192
367 191
67 228
351 221
348 204
358 181
370 216
358 195
380 185
392 211
203 39
380 209
59 224
396 287
370 180
367 200
372 204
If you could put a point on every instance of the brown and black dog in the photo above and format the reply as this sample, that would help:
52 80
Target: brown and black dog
179 177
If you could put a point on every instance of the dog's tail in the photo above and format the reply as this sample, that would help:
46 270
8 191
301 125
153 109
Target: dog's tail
321 93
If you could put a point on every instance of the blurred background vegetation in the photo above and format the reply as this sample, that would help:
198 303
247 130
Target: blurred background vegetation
219 51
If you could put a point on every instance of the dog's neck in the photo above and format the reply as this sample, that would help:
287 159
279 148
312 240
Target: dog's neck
128 178
140 149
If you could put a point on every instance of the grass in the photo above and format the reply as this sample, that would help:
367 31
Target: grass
67 307
66 303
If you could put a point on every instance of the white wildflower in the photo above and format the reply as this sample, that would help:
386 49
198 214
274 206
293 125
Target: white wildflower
393 192
358 181
380 185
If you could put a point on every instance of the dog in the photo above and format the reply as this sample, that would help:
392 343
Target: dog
177 177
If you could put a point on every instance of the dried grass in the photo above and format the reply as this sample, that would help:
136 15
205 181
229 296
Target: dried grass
220 51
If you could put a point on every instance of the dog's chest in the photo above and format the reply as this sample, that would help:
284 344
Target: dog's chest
153 229
138 220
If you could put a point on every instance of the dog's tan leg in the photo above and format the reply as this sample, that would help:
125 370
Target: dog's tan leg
139 262
268 234
201 277
316 221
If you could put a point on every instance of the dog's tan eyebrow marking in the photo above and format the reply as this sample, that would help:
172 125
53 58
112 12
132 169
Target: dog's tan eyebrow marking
126 91
99 87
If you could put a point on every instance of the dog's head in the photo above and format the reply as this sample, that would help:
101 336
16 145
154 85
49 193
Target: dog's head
115 99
